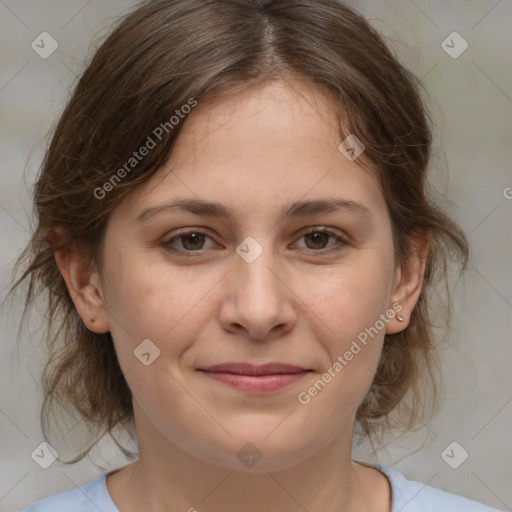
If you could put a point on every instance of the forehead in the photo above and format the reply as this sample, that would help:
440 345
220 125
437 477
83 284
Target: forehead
271 107
258 150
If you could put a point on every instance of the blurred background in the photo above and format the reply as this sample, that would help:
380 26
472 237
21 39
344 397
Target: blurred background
462 52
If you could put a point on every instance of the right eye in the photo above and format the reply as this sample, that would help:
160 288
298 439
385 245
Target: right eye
191 241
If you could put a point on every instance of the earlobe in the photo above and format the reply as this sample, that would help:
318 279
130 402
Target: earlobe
84 286
408 283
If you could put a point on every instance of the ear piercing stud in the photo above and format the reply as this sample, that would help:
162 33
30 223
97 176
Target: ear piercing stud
400 318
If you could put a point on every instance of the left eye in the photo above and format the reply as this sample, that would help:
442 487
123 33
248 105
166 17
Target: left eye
318 236
193 241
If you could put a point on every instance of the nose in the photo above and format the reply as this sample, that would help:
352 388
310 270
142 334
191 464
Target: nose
258 299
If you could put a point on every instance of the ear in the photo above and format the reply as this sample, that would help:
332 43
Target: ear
408 282
84 285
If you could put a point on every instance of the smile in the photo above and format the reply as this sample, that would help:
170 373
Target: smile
255 379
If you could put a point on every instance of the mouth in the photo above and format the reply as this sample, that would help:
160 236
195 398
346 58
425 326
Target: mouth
256 379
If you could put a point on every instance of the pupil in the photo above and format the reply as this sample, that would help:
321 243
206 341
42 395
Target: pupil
194 238
317 237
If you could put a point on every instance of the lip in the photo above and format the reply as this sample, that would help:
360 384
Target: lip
252 369
265 378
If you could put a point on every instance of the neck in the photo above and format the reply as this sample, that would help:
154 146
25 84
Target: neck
165 477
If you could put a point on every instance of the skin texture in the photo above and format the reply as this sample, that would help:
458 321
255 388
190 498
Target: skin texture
254 152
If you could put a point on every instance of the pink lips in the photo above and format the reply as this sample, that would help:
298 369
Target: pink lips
256 379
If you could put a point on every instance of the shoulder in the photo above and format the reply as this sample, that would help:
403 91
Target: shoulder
90 497
412 496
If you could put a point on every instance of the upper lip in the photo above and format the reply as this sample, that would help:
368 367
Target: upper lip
251 369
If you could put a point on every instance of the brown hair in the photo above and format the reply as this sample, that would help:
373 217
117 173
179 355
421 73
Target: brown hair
158 58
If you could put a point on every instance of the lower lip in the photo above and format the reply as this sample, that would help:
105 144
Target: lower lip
257 383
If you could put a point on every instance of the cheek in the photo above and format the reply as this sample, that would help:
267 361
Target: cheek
156 302
167 307
352 296
347 307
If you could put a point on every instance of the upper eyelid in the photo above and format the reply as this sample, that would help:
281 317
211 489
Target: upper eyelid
207 231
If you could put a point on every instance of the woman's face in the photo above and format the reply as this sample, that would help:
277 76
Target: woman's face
252 286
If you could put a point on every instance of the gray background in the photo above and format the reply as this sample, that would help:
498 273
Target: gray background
471 99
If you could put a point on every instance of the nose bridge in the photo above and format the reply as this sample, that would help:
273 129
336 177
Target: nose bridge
257 269
259 298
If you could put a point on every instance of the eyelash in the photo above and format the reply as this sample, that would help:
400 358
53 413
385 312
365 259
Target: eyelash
168 244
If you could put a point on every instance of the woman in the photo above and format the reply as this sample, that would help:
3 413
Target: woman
237 250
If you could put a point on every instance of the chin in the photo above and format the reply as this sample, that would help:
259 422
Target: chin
254 453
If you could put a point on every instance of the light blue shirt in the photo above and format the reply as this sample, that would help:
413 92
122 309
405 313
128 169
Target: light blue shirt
407 496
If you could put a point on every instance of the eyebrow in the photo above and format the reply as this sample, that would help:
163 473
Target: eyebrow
294 209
